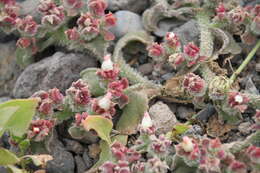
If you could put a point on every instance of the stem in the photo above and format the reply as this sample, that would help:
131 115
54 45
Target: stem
244 64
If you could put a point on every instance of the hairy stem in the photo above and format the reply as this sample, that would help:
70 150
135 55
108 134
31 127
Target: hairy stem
244 64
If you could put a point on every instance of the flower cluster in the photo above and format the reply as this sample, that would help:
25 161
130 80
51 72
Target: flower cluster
72 6
238 101
209 155
170 50
53 15
49 101
194 84
124 156
109 71
92 23
39 129
8 16
80 117
256 126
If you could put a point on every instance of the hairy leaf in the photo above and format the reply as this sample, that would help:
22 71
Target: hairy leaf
7 158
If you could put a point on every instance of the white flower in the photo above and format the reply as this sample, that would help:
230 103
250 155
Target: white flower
187 144
147 121
107 63
105 102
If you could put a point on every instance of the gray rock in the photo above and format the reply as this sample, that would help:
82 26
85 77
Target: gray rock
29 7
184 112
127 21
3 170
87 160
59 70
4 99
62 162
9 70
257 67
245 128
163 118
195 130
146 69
167 25
136 6
188 32
81 166
73 146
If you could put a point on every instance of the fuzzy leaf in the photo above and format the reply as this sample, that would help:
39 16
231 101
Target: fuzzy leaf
101 125
7 158
132 113
23 57
18 121
65 114
96 85
14 169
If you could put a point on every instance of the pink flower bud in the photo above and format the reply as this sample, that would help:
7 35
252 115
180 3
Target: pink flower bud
172 40
88 25
187 144
117 87
146 121
221 11
97 7
72 6
72 34
45 6
45 107
108 167
8 17
194 84
27 25
238 101
8 2
39 129
191 50
254 154
238 167
215 143
109 70
80 117
155 50
177 59
23 42
110 20
56 96
237 16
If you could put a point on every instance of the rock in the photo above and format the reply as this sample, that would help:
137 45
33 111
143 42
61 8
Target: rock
73 146
63 162
162 117
135 6
3 170
87 160
49 72
9 70
245 128
4 38
167 25
184 112
29 7
195 130
81 167
257 67
206 113
4 99
188 32
127 21
146 69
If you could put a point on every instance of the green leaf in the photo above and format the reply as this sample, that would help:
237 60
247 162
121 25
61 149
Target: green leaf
13 169
17 121
65 114
101 125
7 158
23 57
96 85
132 113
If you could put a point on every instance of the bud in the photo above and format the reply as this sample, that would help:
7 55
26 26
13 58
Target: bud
80 117
105 102
172 40
117 87
110 20
238 101
237 167
191 50
155 50
39 129
107 63
254 154
237 16
221 11
97 7
187 144
56 96
23 42
27 26
194 84
72 34
146 121
8 18
177 59
45 107
109 70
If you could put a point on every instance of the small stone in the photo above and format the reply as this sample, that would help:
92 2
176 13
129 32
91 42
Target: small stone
167 76
188 32
87 160
167 25
127 21
135 6
195 130
145 69
257 67
73 146
49 72
184 112
3 170
245 128
81 166
163 118
206 113
9 70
